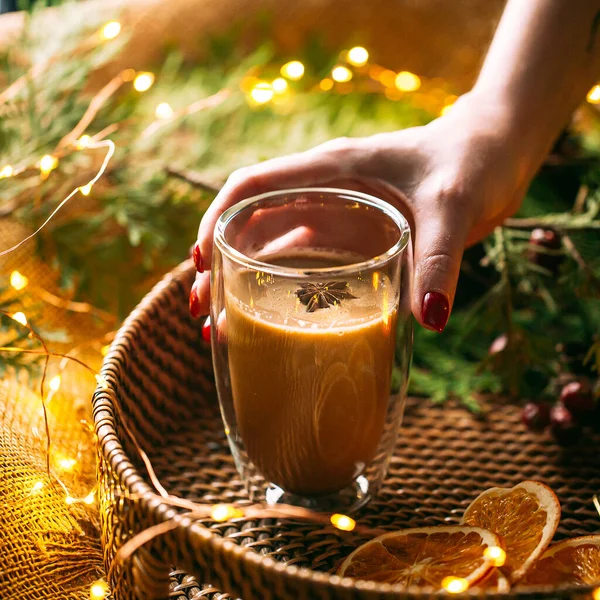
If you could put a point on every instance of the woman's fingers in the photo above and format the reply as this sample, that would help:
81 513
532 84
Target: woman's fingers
336 160
308 169
442 228
200 295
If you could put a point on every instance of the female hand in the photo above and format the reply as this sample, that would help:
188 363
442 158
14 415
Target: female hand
455 179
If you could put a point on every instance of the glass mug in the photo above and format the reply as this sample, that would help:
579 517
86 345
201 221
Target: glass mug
311 341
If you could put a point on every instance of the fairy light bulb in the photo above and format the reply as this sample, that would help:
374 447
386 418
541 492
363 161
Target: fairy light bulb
48 163
54 383
407 81
279 85
67 464
99 590
143 81
20 317
37 487
387 78
6 171
128 74
455 585
326 84
293 70
496 555
104 350
341 74
18 281
596 594
262 93
163 111
343 522
111 30
86 189
89 499
225 512
357 56
70 500
83 142
593 96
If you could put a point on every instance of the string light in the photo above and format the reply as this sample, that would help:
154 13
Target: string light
225 512
83 142
89 499
6 171
357 56
18 281
143 81
343 522
67 464
593 96
496 555
86 189
128 75
387 78
99 590
111 30
70 500
163 111
407 81
326 84
455 585
37 487
262 93
54 383
279 85
47 164
20 317
293 70
341 74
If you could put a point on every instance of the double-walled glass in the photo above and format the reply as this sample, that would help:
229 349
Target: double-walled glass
312 339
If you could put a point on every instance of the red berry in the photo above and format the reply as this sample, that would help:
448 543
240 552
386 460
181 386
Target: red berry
206 330
563 426
536 416
578 399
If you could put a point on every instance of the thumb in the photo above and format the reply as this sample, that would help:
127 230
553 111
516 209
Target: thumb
439 245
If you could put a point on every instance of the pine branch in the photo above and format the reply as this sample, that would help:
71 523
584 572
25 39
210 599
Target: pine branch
195 179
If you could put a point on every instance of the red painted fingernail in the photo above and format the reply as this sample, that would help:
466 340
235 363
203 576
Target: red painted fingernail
435 310
194 302
197 256
206 330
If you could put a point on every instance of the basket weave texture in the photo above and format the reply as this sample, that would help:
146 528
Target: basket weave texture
161 391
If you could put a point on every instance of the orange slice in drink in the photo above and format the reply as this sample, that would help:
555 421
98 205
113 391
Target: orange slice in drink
525 516
451 558
575 562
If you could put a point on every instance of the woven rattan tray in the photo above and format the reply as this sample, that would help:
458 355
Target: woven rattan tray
160 390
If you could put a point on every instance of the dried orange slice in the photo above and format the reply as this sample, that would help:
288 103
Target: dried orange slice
428 556
494 581
575 561
525 516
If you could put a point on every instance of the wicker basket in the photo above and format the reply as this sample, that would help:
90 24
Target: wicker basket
159 372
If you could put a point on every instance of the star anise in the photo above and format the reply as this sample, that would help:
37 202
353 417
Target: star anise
323 295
